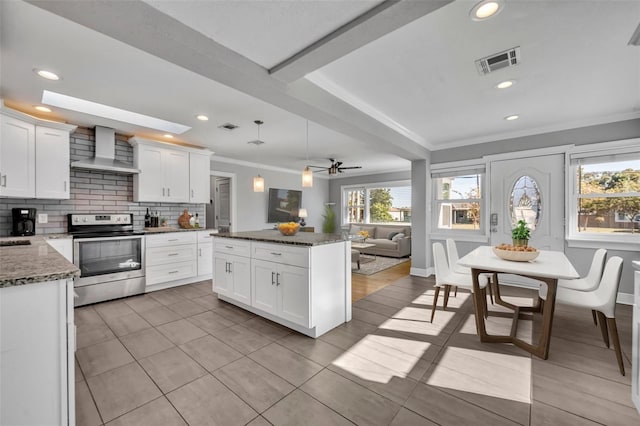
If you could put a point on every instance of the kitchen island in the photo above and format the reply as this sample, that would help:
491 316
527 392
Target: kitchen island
302 281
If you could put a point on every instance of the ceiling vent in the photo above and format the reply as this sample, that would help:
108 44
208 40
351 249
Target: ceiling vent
505 59
227 126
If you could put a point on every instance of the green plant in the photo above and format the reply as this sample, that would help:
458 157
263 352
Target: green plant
521 232
329 222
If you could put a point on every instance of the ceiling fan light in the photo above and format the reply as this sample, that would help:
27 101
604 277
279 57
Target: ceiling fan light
258 184
307 178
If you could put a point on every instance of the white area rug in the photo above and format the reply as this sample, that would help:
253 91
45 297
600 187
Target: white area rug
370 265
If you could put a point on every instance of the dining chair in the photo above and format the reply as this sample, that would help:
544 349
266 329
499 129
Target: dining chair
446 277
601 299
452 254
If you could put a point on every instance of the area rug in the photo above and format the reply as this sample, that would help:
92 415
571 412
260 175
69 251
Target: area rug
370 265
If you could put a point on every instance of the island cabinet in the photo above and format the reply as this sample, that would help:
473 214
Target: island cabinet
304 286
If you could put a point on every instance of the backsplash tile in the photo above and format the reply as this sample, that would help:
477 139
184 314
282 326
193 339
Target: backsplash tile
95 192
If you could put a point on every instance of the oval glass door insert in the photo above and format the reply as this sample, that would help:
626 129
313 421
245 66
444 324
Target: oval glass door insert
524 202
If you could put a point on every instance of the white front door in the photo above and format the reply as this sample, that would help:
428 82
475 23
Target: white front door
531 189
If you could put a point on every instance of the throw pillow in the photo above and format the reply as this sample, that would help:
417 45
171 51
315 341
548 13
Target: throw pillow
397 237
391 235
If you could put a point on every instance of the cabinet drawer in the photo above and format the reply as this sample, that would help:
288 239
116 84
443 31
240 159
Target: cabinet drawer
204 237
280 253
171 238
232 246
170 272
166 255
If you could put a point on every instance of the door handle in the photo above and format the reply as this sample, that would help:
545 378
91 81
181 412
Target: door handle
163 192
278 278
4 181
65 186
276 254
272 280
192 193
200 252
230 271
168 192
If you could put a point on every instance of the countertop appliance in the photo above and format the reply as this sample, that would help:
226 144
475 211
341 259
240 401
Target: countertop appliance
109 254
24 221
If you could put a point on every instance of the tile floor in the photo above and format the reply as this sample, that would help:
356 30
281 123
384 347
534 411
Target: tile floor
180 356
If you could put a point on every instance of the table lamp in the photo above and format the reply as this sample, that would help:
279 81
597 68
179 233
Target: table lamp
302 213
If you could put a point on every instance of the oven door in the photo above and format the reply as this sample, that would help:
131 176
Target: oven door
106 259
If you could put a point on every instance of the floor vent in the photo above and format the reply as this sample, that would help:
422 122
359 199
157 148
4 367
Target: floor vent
505 59
227 126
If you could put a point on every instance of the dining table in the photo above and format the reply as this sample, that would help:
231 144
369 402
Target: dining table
547 268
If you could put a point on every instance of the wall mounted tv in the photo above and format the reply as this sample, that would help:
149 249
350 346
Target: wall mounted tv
284 205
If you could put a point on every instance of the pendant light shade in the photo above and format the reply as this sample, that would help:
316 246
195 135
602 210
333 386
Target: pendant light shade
258 184
307 174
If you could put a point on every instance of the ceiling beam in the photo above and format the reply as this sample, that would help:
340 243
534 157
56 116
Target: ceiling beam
138 24
382 19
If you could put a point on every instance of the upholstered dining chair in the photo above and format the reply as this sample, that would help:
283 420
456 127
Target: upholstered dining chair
452 254
446 277
601 299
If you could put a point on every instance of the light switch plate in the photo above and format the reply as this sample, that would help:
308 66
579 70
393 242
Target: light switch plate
43 218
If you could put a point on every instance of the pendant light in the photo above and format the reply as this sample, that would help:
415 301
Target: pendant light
307 174
258 181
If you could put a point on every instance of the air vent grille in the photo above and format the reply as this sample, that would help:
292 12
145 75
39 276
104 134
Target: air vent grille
227 126
507 58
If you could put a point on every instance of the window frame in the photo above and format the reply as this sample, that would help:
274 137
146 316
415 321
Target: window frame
591 152
344 215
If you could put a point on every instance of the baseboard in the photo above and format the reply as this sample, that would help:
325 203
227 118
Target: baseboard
420 272
625 298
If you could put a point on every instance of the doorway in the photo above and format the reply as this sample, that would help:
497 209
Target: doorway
219 211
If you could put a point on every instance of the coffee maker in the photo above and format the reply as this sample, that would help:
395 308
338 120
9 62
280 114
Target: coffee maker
24 221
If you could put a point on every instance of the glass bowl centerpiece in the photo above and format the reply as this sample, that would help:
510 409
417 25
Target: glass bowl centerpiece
289 228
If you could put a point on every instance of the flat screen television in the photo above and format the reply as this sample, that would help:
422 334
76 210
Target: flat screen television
284 205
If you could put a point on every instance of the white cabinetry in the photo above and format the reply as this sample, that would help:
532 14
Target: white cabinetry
635 361
64 246
17 158
52 163
232 269
170 257
199 177
38 341
205 254
165 172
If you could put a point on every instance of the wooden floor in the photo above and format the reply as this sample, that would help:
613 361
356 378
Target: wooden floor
364 285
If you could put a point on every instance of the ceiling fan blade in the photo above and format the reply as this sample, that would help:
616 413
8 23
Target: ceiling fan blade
352 167
319 167
337 164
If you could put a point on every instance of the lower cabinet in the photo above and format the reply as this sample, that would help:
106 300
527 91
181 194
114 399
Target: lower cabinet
170 257
232 277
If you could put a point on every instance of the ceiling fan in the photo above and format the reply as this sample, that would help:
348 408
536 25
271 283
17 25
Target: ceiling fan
335 167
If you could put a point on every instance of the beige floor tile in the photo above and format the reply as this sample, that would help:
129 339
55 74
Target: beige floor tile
394 303
287 364
253 383
171 369
86 411
347 335
368 316
409 418
210 352
316 350
113 309
121 390
101 357
146 342
186 308
351 400
259 421
266 328
206 401
209 301
205 285
86 316
445 409
192 291
157 412
167 297
77 372
241 339
181 331
546 415
298 408
233 313
127 324
142 303
210 321
160 315
87 335
377 308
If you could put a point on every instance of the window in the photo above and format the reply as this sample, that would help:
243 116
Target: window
606 194
457 198
388 202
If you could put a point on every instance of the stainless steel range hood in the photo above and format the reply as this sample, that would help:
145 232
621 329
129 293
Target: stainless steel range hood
105 155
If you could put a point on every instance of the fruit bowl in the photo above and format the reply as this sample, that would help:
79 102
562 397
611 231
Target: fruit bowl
289 229
515 254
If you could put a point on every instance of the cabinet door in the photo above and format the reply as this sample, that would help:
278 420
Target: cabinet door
264 290
52 163
293 294
205 255
241 271
222 279
17 158
176 176
149 183
199 178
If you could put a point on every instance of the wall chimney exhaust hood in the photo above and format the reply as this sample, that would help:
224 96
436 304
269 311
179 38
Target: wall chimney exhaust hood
105 158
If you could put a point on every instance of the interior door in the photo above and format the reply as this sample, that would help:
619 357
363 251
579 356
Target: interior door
531 189
223 204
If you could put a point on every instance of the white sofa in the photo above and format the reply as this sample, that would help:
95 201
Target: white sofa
383 238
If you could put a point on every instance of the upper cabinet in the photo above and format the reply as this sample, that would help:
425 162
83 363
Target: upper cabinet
34 157
169 173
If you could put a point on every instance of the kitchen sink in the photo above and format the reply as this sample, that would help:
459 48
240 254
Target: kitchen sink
9 243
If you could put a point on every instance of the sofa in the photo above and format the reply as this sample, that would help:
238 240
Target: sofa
387 239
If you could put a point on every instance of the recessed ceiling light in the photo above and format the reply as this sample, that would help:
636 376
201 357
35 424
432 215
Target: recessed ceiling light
42 108
485 9
49 75
505 84
512 117
202 117
117 114
168 136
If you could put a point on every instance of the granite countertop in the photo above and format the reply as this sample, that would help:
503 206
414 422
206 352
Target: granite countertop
164 229
37 262
274 236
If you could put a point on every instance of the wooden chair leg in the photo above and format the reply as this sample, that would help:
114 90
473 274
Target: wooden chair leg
603 328
455 292
435 302
483 292
489 286
447 289
595 318
616 342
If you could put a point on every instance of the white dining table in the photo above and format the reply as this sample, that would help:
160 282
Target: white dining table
548 267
